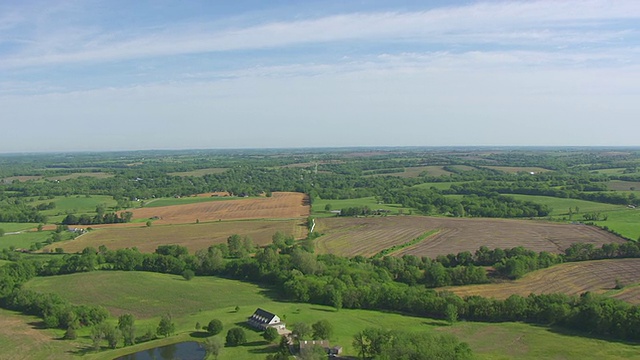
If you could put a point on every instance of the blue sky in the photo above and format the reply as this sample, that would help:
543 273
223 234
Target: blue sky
125 75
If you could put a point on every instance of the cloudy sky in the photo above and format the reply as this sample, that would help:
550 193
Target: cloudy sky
160 74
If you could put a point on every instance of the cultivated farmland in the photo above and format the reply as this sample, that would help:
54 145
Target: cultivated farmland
279 205
193 236
367 236
570 278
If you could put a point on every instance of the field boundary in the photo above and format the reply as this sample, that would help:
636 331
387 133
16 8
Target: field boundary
395 248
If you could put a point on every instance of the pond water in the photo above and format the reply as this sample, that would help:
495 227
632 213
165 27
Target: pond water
181 351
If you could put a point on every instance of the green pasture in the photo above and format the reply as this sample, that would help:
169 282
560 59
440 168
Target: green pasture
4 262
561 206
24 240
624 221
318 207
439 185
150 295
613 171
199 172
77 204
620 185
187 200
620 218
13 227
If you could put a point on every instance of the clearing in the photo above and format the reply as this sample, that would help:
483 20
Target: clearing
367 236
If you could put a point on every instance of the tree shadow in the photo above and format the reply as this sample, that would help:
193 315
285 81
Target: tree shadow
321 309
576 333
199 334
39 325
256 343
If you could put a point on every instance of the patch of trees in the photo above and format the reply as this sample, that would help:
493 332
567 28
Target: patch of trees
108 218
14 211
431 201
374 343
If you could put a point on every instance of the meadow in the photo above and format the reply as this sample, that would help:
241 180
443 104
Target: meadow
622 219
187 200
24 240
517 169
206 298
318 207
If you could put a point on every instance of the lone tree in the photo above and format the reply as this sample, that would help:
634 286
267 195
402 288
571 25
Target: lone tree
214 327
212 347
301 330
127 328
235 337
188 274
322 330
166 327
270 334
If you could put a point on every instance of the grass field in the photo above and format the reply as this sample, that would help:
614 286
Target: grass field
206 298
279 205
620 185
193 236
24 240
570 278
98 175
78 204
414 172
367 236
517 169
188 200
439 185
199 172
13 227
561 206
614 171
318 207
620 218
20 338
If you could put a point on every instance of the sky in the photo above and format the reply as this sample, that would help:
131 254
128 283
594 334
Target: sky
92 75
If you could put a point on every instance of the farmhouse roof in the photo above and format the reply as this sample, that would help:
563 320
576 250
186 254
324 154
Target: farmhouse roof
264 314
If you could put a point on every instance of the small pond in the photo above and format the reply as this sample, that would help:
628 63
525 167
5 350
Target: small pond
181 351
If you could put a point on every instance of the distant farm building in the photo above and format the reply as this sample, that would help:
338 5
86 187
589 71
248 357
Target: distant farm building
324 344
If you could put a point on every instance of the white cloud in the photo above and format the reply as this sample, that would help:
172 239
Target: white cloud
530 24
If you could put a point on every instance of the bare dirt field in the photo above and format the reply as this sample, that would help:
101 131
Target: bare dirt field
192 236
597 276
279 205
367 236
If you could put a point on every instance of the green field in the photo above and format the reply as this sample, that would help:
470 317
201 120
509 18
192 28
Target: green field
620 218
439 185
561 206
318 207
149 295
13 227
199 172
24 240
187 200
620 185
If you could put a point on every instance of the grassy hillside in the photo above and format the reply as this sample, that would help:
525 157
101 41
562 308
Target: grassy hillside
150 295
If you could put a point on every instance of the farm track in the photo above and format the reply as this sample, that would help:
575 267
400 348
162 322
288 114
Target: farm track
574 278
368 236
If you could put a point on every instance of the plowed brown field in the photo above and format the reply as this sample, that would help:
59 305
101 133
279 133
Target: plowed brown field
192 236
279 205
570 278
367 236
